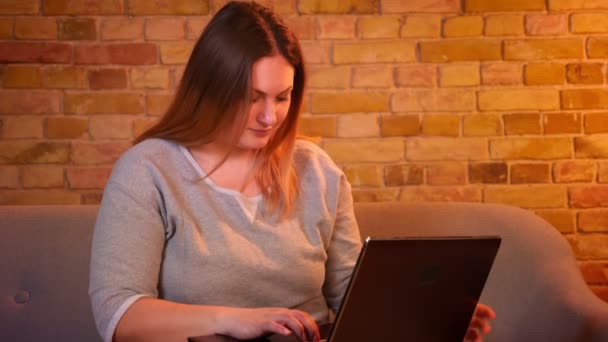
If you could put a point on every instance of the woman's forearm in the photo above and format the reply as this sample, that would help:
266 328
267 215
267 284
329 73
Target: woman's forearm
151 319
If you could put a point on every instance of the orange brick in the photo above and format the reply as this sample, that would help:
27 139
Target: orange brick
602 176
584 98
465 26
503 5
386 26
504 25
364 175
398 6
29 102
88 177
124 28
531 148
66 77
375 52
15 127
444 149
487 173
546 24
16 76
527 99
178 72
103 103
482 125
358 125
157 104
302 26
9 177
75 7
525 173
140 125
585 73
416 75
571 171
318 126
376 76
522 123
320 77
591 147
66 127
588 196
460 50
397 175
108 79
90 153
153 78
336 27
594 272
175 52
35 28
337 7
316 52
455 75
28 152
440 100
562 219
501 73
350 102
77 29
170 28
534 197
399 125
597 47
42 176
544 74
375 195
196 25
19 7
441 125
35 52
421 25
41 197
596 123
168 7
589 22
111 127
561 123
446 174
543 49
440 194
129 54
6 28
364 150
595 221
560 5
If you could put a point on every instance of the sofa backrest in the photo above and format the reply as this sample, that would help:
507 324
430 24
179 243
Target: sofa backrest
535 285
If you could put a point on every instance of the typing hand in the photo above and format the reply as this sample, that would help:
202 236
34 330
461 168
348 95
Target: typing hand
480 323
245 323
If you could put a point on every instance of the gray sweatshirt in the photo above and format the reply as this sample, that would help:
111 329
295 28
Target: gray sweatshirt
164 231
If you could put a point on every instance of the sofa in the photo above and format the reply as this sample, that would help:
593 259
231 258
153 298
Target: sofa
535 286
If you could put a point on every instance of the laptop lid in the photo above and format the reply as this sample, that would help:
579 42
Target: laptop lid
415 289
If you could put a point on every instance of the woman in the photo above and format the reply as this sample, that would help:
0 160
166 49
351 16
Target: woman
218 221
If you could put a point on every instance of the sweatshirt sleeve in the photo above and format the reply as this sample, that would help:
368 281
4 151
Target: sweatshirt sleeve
127 247
344 248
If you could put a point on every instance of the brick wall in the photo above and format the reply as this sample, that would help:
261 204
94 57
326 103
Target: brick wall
495 101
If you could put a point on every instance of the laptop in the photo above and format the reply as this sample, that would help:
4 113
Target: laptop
408 289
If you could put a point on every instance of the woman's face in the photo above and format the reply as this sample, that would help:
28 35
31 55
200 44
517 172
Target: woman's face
271 84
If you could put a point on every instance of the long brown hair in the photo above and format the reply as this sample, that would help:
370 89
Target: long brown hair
213 96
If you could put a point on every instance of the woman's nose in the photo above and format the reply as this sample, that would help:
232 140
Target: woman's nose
267 115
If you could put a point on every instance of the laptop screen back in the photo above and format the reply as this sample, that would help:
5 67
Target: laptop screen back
415 289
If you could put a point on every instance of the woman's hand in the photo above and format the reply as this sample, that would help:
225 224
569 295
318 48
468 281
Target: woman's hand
245 323
480 323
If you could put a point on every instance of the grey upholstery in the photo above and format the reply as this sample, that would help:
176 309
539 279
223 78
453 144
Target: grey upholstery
535 285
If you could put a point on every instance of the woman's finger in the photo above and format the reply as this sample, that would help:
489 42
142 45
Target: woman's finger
294 324
484 311
312 330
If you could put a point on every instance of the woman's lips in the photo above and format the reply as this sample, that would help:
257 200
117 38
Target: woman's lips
261 132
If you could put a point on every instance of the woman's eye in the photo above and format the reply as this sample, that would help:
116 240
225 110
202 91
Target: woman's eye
283 99
255 99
